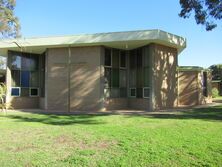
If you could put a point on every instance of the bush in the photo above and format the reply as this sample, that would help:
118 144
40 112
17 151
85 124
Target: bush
215 92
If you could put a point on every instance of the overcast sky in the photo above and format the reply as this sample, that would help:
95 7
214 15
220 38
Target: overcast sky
64 17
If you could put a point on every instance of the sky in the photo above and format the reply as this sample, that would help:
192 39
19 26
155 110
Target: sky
67 17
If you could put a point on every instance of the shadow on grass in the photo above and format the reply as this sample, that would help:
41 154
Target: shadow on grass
208 114
53 119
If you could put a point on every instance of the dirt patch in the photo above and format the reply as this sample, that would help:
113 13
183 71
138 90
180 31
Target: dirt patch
23 148
63 139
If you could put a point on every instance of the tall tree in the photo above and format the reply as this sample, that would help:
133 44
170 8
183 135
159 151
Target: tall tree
9 23
206 12
216 71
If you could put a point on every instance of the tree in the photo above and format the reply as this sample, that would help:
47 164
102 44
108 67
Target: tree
206 12
9 23
216 71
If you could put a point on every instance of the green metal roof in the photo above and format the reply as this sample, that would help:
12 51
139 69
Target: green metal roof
122 40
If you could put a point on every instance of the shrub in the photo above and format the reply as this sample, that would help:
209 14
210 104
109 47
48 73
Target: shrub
215 92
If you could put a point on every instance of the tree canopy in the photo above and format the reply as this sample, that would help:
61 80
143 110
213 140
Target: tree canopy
216 71
206 12
9 23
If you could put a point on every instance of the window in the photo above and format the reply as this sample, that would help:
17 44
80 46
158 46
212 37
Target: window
15 62
122 59
139 72
115 78
34 92
15 91
146 92
108 57
25 74
132 92
115 74
25 78
15 76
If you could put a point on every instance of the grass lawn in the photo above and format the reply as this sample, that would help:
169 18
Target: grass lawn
192 138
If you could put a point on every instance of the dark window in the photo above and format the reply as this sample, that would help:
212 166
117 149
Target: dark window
34 91
146 76
122 78
146 92
25 78
115 78
108 57
132 59
15 92
123 59
34 79
115 58
15 75
139 92
123 92
133 92
139 58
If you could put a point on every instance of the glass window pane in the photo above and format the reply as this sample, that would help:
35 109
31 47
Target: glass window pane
34 78
123 92
139 58
115 77
146 92
15 75
132 92
132 78
34 62
114 92
25 62
34 92
139 92
146 56
115 58
25 78
122 78
15 62
107 77
123 59
146 77
107 57
132 59
139 77
25 92
15 92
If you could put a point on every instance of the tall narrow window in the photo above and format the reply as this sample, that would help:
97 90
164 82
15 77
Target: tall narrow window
115 73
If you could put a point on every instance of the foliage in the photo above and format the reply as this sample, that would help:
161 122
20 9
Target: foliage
190 138
9 24
215 92
206 12
216 71
3 91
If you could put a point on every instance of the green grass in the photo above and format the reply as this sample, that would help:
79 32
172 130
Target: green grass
192 138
